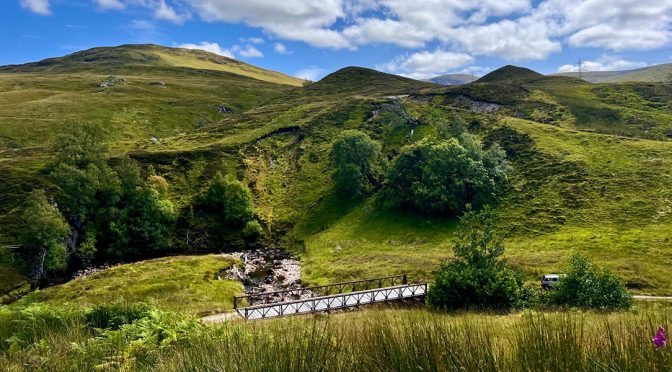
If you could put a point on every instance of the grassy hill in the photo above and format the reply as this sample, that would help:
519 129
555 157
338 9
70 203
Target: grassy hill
651 74
591 169
509 73
128 58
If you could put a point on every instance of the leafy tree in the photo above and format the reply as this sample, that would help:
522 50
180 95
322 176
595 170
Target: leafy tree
478 277
231 199
80 145
444 175
84 191
356 158
143 226
590 287
45 232
86 251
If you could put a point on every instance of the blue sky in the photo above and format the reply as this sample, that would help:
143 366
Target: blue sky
310 38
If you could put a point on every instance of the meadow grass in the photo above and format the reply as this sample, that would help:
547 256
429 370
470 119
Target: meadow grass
189 284
377 339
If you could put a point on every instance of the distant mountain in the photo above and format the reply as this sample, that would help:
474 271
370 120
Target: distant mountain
656 73
137 57
452 79
509 73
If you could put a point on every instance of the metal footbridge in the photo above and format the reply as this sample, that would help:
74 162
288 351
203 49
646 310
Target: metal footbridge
328 297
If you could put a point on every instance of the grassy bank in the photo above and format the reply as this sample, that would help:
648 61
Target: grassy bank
379 339
189 284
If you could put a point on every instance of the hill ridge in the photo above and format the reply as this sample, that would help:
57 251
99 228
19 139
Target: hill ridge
123 57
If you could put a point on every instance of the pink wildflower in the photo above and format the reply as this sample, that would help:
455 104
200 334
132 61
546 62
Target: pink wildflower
659 340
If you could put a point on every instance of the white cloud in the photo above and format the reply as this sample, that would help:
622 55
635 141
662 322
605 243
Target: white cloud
604 63
280 48
610 24
208 47
252 40
303 20
110 4
37 6
142 25
248 51
168 13
510 29
311 73
426 64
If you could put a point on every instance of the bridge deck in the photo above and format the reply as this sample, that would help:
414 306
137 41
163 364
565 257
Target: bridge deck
334 302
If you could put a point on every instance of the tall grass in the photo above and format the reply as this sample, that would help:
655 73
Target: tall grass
372 340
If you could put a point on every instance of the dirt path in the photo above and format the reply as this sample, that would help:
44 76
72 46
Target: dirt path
653 298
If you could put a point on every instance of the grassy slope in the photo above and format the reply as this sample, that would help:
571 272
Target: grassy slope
572 187
38 100
132 56
573 191
188 284
651 74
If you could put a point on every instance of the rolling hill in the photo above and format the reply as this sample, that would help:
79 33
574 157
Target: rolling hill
651 74
591 164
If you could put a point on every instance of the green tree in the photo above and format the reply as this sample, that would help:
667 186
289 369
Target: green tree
143 226
443 176
80 145
356 158
45 232
231 199
478 277
590 287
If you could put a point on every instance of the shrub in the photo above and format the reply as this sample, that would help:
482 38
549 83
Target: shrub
113 316
590 287
21 326
477 277
356 158
443 176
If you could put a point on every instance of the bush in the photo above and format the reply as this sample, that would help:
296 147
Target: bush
478 277
21 326
113 316
356 158
590 287
443 176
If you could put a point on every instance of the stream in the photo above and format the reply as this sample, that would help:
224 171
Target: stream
266 271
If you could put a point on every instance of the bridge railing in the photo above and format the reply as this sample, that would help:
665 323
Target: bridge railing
334 302
322 290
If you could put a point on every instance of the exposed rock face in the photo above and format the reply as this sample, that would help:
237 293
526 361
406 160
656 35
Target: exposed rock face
111 81
223 109
478 107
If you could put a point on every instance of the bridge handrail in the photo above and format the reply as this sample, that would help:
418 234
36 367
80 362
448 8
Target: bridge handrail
340 287
421 287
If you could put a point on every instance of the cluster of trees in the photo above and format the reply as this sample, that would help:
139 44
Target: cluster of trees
480 278
438 175
101 213
449 174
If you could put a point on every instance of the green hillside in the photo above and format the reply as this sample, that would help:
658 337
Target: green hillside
510 74
651 74
190 284
591 168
